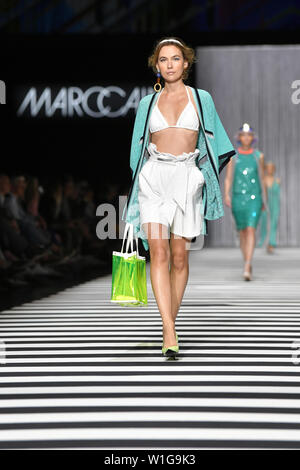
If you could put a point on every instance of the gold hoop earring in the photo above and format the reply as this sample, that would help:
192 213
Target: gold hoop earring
157 84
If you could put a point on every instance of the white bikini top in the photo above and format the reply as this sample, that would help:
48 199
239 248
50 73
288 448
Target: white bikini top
188 118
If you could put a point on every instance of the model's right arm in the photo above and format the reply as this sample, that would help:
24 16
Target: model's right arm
228 183
136 137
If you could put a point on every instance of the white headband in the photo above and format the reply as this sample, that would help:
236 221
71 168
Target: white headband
173 40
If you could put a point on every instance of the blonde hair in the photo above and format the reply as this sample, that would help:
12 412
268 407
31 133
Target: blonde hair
187 52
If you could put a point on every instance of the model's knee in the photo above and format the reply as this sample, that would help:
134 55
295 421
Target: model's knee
250 230
160 254
179 260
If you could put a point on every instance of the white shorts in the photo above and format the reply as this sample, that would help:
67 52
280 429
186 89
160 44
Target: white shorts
170 192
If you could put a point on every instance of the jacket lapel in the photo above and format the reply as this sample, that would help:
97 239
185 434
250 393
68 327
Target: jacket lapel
207 128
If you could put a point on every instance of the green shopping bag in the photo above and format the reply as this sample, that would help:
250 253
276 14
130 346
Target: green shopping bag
129 281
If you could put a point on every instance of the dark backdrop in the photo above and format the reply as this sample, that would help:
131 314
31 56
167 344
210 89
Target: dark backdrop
97 149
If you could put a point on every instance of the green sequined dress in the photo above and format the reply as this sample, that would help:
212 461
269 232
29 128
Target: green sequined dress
246 198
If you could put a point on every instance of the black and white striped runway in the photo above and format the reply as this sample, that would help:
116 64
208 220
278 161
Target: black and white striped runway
79 372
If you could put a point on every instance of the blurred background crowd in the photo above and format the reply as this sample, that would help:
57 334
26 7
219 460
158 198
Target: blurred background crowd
48 229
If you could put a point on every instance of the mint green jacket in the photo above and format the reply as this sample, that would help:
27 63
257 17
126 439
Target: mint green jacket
215 152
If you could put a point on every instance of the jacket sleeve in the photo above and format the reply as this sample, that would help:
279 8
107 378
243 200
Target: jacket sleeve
212 198
223 146
136 140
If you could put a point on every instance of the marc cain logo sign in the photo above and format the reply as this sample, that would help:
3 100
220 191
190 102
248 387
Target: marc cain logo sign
74 101
2 92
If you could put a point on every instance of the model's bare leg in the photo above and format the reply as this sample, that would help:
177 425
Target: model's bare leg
243 242
159 248
248 251
250 243
179 272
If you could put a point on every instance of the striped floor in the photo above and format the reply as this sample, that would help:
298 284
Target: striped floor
79 372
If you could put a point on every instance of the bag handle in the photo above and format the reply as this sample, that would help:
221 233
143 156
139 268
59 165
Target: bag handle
128 234
131 241
129 231
130 238
137 245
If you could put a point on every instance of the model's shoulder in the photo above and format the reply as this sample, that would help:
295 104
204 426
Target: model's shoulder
143 104
206 98
204 93
147 98
258 153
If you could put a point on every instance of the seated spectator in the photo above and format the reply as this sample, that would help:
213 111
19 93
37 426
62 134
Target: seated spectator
13 243
31 203
29 226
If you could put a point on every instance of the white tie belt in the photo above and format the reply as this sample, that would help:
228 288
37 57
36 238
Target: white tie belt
179 181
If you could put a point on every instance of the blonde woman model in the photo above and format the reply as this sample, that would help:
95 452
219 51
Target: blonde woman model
173 189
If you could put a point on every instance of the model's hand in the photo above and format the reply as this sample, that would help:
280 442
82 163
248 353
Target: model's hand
228 200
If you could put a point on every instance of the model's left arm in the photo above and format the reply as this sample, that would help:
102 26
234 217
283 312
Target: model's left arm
263 181
136 141
228 182
223 146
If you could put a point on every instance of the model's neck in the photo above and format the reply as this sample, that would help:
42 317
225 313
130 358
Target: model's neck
245 150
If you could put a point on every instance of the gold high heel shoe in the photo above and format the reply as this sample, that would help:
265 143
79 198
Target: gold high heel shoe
171 351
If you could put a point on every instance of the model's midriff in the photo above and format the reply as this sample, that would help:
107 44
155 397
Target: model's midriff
175 140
